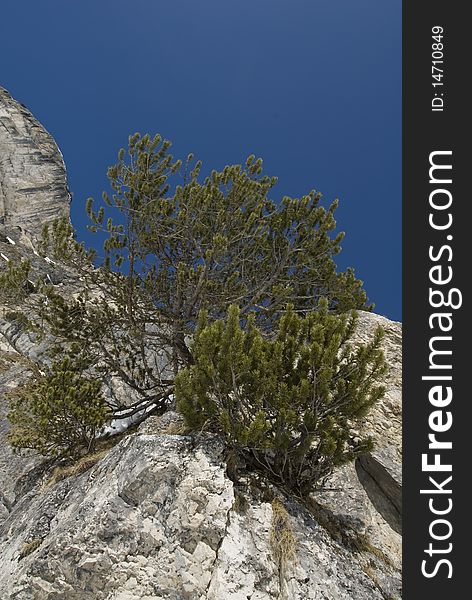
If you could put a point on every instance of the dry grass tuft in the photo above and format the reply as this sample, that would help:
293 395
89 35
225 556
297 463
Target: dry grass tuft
364 545
370 572
177 428
85 462
29 547
241 503
77 468
281 540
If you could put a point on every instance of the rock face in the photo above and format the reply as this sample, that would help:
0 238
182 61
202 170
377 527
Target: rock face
158 517
155 515
33 182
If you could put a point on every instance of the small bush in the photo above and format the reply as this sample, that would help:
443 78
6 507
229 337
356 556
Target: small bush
287 404
58 413
14 284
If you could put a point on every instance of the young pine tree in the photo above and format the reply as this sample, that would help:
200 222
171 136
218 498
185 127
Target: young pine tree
286 404
58 412
176 243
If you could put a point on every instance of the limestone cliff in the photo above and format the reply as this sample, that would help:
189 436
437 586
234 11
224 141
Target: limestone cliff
155 515
33 182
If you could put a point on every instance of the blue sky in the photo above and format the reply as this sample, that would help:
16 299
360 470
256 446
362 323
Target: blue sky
311 86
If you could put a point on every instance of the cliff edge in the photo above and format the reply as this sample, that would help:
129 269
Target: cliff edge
33 181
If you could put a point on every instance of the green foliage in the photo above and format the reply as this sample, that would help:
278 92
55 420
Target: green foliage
220 241
59 239
98 326
14 282
289 403
57 413
175 244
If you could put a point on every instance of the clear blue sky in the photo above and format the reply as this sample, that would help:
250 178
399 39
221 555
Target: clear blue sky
312 86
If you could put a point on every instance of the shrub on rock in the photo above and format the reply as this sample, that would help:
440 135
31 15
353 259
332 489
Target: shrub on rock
287 403
57 413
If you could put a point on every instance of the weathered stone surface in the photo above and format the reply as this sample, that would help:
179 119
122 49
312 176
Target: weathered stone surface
365 498
384 421
33 182
157 518
381 477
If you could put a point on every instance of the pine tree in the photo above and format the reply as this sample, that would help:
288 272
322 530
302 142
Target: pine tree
58 412
175 245
14 284
286 404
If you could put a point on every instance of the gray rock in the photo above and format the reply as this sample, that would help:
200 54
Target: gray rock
33 182
384 421
381 478
156 518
